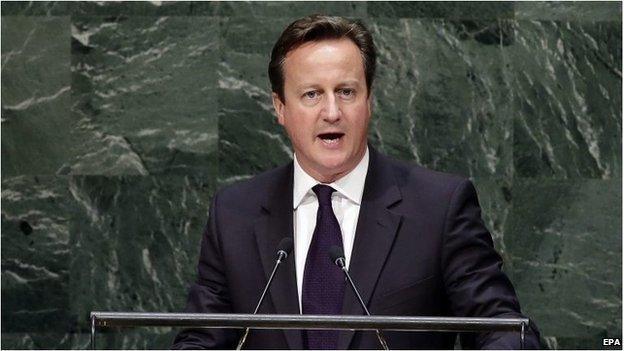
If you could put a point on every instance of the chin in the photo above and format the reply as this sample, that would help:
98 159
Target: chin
334 165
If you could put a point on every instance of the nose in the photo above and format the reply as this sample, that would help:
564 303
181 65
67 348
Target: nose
331 111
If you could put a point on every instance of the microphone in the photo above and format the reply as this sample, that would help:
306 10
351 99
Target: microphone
284 248
337 257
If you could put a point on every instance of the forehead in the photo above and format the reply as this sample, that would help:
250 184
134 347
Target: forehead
322 60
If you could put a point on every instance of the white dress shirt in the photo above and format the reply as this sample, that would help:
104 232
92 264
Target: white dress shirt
346 201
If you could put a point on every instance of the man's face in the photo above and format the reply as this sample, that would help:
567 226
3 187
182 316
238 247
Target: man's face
326 109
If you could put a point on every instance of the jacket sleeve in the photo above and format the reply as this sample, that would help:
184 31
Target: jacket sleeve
209 294
474 282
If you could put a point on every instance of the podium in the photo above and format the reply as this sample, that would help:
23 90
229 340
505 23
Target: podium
298 321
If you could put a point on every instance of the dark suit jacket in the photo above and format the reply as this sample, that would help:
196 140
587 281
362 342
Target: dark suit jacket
421 249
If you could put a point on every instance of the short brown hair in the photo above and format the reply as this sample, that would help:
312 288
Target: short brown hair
316 28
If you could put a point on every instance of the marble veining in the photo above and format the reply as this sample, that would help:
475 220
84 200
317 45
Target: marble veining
121 119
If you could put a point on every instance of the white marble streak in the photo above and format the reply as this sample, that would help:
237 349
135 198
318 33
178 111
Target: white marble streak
33 101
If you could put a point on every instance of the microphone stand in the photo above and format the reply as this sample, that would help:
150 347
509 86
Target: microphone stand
281 254
341 263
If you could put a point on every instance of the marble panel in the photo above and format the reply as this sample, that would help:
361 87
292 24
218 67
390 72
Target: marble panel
42 340
36 8
185 8
564 238
250 139
294 9
145 89
566 86
577 11
36 124
455 10
36 251
143 8
72 245
135 248
440 98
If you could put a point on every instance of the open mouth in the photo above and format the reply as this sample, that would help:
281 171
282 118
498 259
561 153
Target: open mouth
330 138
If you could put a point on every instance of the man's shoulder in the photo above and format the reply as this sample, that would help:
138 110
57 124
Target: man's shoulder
411 175
423 189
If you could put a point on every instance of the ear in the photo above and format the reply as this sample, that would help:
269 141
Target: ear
369 101
278 105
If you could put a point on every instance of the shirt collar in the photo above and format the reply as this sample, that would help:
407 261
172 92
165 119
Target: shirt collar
350 186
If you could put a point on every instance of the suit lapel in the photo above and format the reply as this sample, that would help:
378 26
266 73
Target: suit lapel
375 233
275 223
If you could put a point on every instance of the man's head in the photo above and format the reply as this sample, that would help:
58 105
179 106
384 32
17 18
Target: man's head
316 28
321 73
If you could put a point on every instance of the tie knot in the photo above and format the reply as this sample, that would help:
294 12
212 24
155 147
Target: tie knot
323 194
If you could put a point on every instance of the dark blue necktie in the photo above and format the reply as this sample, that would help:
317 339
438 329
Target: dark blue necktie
323 282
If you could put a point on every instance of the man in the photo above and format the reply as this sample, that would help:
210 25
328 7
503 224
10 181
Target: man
413 239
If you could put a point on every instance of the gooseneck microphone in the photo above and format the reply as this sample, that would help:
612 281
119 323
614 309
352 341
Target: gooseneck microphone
283 250
337 257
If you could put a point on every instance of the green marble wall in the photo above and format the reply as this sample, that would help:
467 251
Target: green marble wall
120 120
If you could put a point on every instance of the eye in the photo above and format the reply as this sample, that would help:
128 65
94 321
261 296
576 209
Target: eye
311 94
347 93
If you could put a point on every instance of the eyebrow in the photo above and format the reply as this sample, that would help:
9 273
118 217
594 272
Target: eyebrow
348 83
316 86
